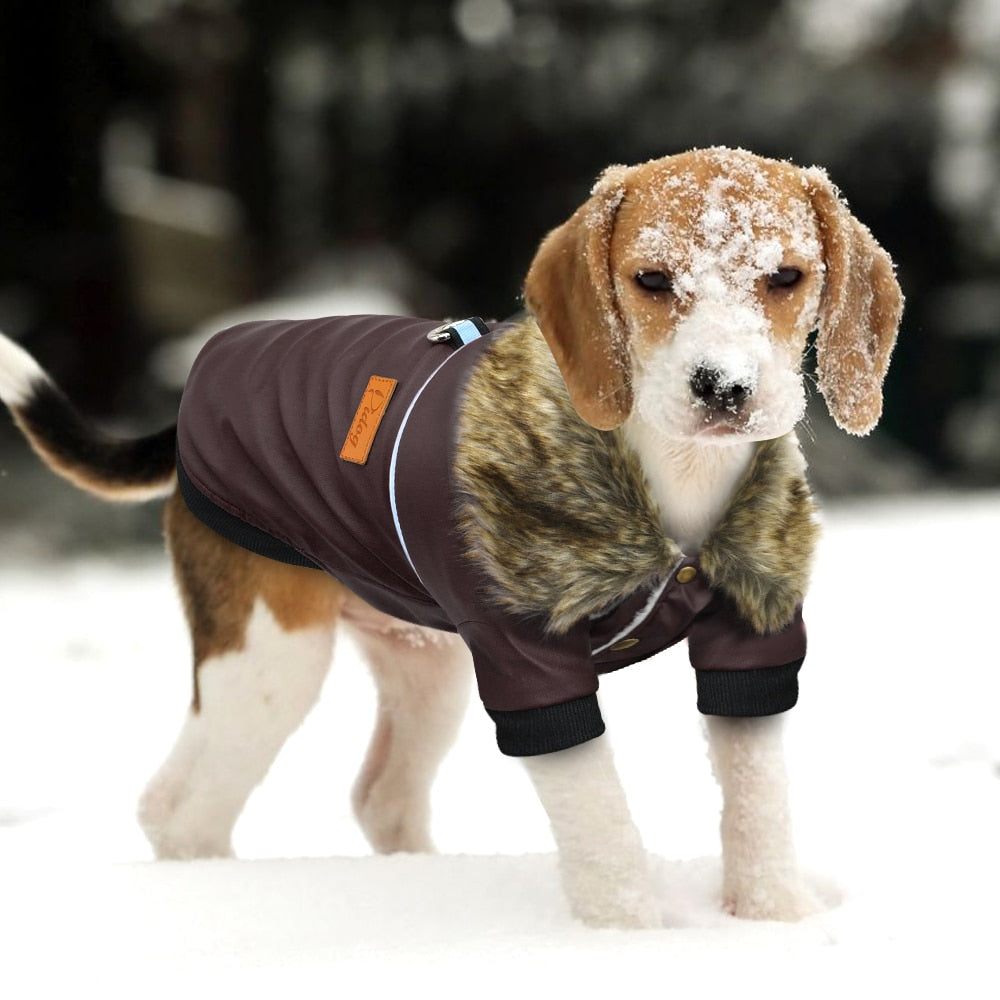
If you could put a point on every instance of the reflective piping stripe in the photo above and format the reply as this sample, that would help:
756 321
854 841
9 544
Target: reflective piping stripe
469 332
643 613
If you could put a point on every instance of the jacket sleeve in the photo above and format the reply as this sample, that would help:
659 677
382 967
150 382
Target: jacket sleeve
539 690
739 672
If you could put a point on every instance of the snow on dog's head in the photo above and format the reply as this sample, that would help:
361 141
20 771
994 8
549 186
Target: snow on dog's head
685 289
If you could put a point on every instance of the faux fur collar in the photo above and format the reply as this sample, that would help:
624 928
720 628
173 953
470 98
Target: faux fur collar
558 515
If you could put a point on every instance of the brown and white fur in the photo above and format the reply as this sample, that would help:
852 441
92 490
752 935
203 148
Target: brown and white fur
676 303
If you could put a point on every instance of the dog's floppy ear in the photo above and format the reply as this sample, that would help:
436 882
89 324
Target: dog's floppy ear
570 291
859 313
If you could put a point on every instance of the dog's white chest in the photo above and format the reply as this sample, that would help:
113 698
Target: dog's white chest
691 484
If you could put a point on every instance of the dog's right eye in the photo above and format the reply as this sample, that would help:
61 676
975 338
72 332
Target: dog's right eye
784 277
654 281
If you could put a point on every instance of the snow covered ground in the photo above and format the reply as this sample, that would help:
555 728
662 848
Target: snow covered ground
893 752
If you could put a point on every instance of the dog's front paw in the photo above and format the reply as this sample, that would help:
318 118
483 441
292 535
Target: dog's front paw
620 915
758 899
612 891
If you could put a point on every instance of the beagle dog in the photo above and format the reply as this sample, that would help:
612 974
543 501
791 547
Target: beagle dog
562 494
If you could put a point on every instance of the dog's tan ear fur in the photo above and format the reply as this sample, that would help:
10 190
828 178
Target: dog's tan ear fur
859 314
569 290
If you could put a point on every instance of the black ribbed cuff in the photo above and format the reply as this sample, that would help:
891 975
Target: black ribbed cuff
533 731
748 693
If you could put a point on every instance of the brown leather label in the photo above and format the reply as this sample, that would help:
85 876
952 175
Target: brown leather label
367 419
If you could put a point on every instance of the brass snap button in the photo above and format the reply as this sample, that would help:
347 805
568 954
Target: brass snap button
686 574
623 644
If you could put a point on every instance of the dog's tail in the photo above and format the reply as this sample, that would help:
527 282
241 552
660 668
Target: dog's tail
112 468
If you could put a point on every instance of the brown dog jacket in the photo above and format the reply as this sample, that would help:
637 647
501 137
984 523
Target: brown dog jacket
330 443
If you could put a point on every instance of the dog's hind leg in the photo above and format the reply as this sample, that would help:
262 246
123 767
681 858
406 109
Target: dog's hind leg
422 679
604 866
761 878
262 636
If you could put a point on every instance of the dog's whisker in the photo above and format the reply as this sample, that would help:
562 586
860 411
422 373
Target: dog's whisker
806 425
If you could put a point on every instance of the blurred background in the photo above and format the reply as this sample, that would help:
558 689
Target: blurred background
169 163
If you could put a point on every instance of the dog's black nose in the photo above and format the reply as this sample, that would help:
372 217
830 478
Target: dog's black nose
709 386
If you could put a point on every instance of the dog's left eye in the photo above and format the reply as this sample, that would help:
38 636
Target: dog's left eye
654 281
784 277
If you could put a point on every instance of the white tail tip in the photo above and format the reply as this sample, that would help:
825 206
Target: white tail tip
19 373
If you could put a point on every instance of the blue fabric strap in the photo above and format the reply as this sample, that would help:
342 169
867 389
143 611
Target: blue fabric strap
467 330
459 333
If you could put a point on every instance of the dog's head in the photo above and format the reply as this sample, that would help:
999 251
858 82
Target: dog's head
685 289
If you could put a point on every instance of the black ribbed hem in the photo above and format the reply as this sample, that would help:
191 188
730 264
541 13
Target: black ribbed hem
534 731
747 693
235 529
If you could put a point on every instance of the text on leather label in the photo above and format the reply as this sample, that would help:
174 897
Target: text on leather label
367 419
